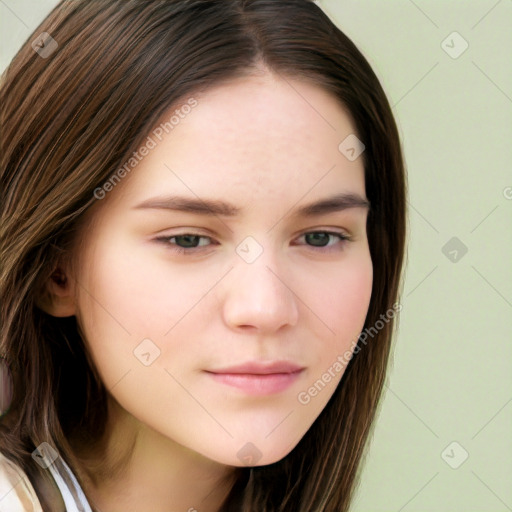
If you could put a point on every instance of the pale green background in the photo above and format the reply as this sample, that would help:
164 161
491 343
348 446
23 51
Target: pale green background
451 375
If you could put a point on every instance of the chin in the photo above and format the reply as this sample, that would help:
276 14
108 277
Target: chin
254 454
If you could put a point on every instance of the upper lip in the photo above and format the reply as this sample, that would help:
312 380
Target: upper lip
260 368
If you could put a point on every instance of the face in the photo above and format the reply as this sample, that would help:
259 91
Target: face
223 327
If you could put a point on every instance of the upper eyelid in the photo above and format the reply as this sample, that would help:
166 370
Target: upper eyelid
192 232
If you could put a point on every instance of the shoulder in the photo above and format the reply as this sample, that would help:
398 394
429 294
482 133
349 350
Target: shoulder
16 491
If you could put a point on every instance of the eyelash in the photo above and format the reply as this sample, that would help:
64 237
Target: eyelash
166 240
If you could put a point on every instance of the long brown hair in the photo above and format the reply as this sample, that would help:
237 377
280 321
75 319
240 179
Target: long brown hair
71 118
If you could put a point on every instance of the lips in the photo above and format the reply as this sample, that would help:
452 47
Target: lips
258 378
260 368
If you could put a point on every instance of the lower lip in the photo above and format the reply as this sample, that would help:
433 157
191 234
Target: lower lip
257 384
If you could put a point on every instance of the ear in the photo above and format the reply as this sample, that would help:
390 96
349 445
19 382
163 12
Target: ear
58 295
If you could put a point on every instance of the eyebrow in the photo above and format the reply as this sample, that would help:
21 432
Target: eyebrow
198 206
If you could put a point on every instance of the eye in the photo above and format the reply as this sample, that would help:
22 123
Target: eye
320 240
190 243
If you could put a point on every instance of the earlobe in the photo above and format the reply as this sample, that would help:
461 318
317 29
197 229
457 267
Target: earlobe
57 298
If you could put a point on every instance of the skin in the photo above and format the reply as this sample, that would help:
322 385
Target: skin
268 146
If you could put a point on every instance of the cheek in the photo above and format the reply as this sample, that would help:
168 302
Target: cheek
343 306
116 304
345 299
126 297
124 293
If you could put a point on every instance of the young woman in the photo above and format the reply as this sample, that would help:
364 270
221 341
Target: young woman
202 239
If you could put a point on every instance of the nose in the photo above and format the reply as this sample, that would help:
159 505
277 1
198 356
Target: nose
259 297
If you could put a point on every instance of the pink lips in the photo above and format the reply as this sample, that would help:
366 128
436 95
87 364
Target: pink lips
256 378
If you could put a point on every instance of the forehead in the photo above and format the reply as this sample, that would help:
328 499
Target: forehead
258 137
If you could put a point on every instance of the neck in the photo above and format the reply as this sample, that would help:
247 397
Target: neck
136 468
